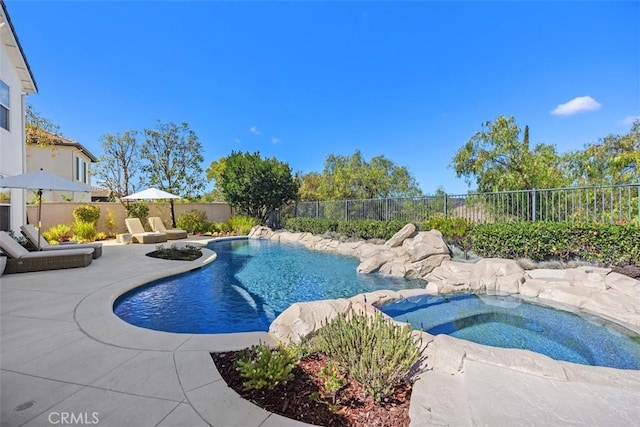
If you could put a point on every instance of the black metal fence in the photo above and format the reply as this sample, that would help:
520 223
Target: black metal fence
603 204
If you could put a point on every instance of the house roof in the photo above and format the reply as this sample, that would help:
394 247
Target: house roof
60 140
11 41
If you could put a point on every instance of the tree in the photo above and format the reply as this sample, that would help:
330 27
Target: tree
119 163
172 160
496 160
615 159
352 177
38 129
256 186
214 173
310 187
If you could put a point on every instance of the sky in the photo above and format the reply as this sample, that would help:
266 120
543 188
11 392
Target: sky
299 80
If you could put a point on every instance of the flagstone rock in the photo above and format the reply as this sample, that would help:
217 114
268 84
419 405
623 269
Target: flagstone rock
405 232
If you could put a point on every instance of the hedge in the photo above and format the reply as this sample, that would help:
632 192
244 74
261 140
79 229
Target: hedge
364 229
539 241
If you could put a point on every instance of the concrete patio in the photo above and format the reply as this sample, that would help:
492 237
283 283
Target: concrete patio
64 356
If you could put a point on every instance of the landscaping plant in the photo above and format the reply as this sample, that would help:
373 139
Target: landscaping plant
375 352
262 366
194 221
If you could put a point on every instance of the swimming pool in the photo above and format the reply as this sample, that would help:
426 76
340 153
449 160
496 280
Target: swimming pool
510 322
248 285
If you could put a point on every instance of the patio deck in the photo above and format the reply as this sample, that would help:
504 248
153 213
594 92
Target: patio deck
63 353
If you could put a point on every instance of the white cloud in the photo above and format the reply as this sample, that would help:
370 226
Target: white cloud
580 104
237 140
629 120
275 140
254 130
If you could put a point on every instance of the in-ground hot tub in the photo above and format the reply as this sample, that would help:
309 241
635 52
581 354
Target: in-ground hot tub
512 322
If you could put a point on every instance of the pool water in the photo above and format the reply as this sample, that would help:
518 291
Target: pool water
510 322
248 285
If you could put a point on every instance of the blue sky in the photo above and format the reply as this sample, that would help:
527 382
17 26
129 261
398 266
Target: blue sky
301 80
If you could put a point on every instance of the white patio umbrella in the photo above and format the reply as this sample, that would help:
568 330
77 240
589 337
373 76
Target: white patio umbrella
151 194
41 181
154 194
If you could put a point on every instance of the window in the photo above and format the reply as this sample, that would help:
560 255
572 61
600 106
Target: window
4 105
82 174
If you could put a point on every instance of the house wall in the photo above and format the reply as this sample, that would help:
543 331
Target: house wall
59 160
55 213
12 141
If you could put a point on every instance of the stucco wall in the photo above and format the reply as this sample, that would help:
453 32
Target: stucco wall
62 213
61 161
11 142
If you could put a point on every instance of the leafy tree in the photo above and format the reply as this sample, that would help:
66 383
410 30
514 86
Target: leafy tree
38 129
256 186
496 160
310 187
172 160
352 177
119 163
615 159
214 173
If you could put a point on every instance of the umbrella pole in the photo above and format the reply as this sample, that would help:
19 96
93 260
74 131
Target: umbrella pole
39 213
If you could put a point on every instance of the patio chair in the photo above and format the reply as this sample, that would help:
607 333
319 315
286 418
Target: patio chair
139 235
172 234
31 233
20 260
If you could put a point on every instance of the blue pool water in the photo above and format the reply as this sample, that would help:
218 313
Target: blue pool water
246 287
510 322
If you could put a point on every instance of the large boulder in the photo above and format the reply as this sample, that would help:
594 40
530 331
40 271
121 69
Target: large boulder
405 232
261 232
302 318
426 244
491 274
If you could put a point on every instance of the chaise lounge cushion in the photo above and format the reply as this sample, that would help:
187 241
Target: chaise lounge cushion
20 260
139 235
31 233
172 234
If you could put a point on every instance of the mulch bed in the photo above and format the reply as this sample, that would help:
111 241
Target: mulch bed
298 399
176 254
631 270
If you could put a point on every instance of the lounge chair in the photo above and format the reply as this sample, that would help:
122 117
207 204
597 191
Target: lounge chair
139 235
172 234
31 233
20 260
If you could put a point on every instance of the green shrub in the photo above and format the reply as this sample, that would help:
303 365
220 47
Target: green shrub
57 233
220 227
370 229
241 225
138 210
84 231
262 366
110 222
311 225
194 222
87 213
363 229
376 352
540 241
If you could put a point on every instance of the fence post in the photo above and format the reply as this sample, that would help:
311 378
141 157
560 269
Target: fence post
317 208
386 207
346 210
534 204
445 205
